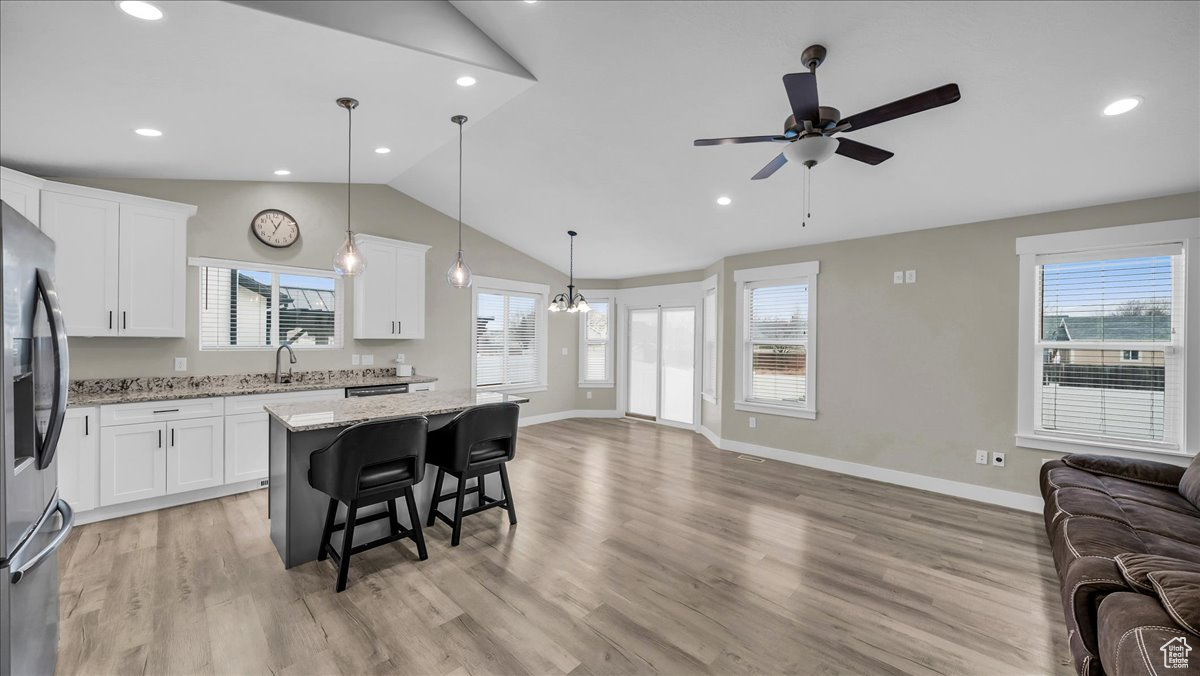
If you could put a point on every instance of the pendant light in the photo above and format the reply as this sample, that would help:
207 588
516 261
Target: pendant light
570 301
459 274
349 261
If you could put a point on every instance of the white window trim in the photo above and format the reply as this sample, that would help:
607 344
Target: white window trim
711 286
339 298
542 291
800 273
1086 243
609 344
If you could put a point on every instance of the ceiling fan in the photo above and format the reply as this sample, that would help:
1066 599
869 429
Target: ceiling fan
808 131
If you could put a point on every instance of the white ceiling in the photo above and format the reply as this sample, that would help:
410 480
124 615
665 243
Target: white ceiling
602 142
237 92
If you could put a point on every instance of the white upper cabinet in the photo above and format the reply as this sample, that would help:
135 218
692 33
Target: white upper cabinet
120 262
21 192
389 297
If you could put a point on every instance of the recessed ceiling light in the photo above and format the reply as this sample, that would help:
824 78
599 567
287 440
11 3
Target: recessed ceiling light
140 10
383 151
1122 105
465 81
145 131
530 2
724 201
282 172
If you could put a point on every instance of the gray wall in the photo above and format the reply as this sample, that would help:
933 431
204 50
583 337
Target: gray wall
915 377
221 229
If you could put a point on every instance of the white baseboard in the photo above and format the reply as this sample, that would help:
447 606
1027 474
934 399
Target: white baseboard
526 420
958 489
163 502
713 437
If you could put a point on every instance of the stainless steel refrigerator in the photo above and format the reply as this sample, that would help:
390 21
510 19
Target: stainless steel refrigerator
34 521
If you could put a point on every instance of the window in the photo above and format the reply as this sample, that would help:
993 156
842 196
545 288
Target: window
596 344
259 306
776 322
509 335
708 378
1103 332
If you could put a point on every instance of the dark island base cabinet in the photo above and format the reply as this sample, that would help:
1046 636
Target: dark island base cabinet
297 510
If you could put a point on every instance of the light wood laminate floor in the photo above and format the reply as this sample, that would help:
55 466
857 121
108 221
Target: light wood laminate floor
640 549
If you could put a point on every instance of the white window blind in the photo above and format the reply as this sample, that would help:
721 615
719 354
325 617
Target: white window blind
245 308
596 327
1107 349
776 342
708 382
509 344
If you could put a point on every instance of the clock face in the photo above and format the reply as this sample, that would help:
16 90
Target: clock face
275 228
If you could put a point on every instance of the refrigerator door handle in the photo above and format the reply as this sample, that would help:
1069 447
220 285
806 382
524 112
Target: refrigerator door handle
58 338
68 517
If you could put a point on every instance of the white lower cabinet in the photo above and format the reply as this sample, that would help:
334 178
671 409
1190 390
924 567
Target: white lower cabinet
133 463
195 454
246 447
78 457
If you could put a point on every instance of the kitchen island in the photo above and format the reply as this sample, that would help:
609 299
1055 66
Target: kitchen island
296 510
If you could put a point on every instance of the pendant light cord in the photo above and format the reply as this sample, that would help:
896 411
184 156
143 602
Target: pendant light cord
349 149
460 165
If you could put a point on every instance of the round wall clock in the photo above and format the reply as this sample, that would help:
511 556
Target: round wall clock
275 228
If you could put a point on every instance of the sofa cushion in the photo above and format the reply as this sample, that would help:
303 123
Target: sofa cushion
1142 471
1179 593
1133 630
1189 485
1136 568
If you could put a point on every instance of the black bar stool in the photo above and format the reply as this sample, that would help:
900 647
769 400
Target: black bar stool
477 442
367 464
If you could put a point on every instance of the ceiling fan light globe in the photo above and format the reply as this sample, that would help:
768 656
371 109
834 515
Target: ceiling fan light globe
814 149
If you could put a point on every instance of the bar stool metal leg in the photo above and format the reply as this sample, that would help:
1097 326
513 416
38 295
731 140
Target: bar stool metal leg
458 510
437 493
415 519
327 532
347 545
508 498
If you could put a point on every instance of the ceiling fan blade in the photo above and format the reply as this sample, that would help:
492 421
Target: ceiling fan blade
802 93
736 139
862 152
771 168
940 96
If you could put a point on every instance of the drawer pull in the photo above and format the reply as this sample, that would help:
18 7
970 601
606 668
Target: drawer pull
168 410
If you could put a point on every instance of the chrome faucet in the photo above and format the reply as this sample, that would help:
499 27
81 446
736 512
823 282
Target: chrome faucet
281 377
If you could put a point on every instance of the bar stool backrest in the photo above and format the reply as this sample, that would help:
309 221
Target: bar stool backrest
335 469
489 429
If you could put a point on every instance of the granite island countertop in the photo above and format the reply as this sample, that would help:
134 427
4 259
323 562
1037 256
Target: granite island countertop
104 391
317 415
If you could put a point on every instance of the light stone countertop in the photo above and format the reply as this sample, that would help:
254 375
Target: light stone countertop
317 415
105 391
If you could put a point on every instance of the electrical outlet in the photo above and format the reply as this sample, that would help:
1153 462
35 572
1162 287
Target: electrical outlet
589 394
565 352
898 277
180 363
399 357
368 360
910 276
753 422
981 457
355 360
998 459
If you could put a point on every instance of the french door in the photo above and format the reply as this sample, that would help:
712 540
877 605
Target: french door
662 364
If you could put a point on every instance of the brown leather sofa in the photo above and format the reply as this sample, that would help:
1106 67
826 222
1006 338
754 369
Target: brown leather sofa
1125 536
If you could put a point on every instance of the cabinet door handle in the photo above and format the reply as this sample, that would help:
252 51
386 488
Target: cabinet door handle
86 427
110 320
393 326
167 410
124 320
399 328
172 437
160 438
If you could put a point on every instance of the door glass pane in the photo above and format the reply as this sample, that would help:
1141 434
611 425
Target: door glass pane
643 362
678 364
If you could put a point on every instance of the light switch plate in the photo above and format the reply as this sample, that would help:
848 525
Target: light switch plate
564 352
753 422
910 276
180 363
399 360
368 360
898 277
354 360
589 396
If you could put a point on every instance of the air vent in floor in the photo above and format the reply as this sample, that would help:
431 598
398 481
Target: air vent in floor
751 458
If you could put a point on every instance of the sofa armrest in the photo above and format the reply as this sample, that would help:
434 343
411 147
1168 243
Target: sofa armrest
1132 469
1134 629
1085 584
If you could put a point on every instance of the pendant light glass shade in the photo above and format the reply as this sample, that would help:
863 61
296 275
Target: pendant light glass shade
459 274
349 261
